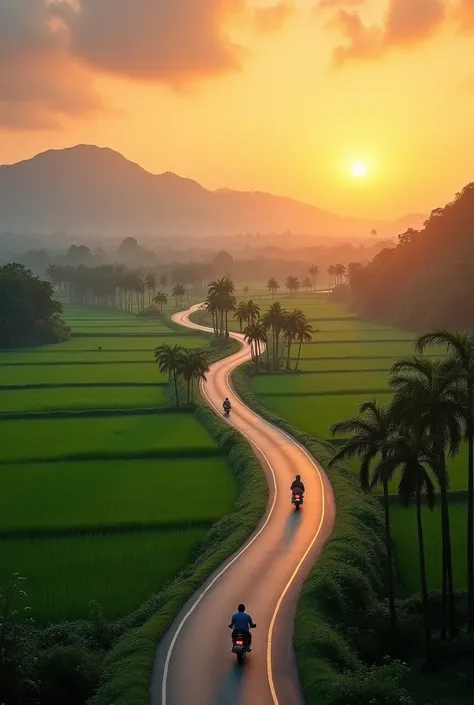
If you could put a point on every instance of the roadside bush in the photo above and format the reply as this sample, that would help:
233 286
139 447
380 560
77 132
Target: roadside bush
370 686
67 675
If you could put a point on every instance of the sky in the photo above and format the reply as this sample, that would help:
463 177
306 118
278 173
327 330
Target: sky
280 96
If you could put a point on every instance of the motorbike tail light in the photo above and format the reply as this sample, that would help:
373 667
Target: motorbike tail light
240 643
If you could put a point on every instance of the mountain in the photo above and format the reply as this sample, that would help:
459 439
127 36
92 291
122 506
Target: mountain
89 190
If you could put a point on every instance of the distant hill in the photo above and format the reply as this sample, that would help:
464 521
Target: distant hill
88 190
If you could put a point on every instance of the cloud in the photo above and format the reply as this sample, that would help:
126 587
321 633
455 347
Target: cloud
39 82
331 4
273 18
167 40
406 23
465 16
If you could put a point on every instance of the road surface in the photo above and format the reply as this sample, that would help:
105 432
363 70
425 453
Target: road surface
194 664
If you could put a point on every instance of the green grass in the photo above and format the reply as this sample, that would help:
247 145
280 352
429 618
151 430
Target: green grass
319 384
365 349
67 496
336 364
60 438
119 571
315 415
78 374
75 398
403 522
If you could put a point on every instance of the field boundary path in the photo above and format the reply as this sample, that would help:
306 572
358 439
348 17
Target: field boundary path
194 664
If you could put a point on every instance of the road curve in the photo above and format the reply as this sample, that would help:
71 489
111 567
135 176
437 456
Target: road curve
194 664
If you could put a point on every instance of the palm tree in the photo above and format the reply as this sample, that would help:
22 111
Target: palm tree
192 365
221 294
292 284
167 359
164 281
211 307
290 329
412 453
274 319
273 285
461 347
255 334
150 284
306 283
304 334
331 273
370 431
340 273
314 271
241 313
429 400
246 290
160 298
178 292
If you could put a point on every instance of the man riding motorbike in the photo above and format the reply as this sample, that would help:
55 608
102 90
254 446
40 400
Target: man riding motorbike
226 405
241 623
297 484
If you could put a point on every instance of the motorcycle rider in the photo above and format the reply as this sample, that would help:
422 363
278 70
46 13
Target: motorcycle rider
240 623
297 484
226 405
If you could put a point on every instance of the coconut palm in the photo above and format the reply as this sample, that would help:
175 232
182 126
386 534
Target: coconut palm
211 307
304 334
306 283
178 292
429 400
240 313
331 273
221 293
164 281
274 320
461 348
246 290
273 285
167 359
160 298
314 271
339 273
256 336
290 330
369 432
292 284
192 365
413 455
150 284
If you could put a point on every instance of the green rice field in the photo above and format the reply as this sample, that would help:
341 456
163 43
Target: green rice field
104 489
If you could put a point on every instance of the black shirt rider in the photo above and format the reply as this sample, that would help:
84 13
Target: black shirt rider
297 484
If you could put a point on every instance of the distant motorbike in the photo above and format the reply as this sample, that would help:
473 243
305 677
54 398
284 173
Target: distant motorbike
227 408
297 498
240 646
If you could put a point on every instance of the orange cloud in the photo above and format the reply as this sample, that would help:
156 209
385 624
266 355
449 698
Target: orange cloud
465 15
331 4
167 40
273 18
39 81
406 23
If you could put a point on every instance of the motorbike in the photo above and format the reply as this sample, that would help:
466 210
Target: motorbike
297 499
227 409
239 646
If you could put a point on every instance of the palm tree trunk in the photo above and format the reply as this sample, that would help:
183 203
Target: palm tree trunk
470 514
390 585
299 355
189 390
288 355
176 387
424 586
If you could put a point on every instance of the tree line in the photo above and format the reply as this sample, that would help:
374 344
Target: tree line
264 331
431 413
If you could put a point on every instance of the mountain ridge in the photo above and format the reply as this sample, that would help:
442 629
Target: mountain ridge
86 189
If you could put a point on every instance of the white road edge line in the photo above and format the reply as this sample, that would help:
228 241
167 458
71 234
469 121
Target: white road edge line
219 575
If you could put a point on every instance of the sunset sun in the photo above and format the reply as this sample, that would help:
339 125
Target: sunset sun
359 170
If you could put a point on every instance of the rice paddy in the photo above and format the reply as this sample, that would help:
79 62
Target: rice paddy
104 488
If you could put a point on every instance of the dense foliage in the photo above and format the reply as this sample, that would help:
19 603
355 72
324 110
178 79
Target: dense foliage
427 279
29 314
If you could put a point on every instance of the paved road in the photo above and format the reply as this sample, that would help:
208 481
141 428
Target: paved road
194 664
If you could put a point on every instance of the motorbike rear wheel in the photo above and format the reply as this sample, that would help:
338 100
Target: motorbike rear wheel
240 656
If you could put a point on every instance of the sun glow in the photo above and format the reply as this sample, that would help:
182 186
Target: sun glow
359 170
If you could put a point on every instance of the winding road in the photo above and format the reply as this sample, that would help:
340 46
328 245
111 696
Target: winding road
194 664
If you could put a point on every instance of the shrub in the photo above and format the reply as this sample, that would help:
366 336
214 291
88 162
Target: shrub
67 675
